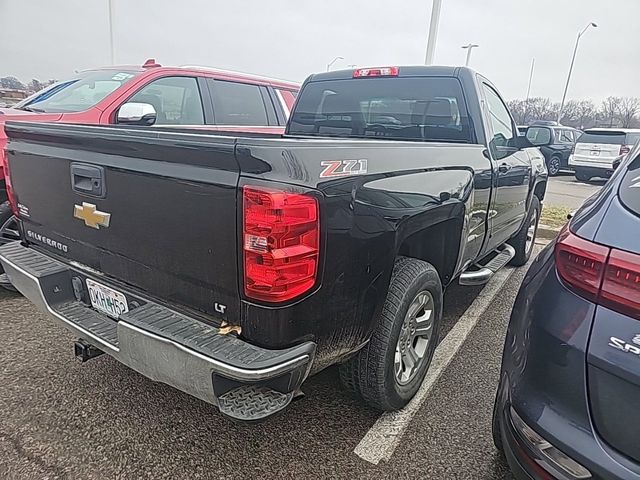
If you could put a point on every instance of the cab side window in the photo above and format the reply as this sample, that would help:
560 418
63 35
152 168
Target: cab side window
237 103
503 132
176 100
564 136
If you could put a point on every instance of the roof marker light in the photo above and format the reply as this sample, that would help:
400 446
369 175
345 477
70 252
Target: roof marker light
151 63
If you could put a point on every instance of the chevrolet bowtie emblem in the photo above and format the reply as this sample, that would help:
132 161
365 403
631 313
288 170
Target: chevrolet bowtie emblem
92 218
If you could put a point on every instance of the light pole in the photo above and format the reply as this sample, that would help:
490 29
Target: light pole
526 102
469 48
111 50
433 32
573 59
333 61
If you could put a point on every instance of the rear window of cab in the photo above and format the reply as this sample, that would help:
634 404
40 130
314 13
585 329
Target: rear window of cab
398 108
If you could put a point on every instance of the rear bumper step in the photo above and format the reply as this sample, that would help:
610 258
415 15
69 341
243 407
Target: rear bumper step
248 383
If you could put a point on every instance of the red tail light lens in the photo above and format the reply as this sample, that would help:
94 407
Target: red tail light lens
281 243
376 72
621 285
580 263
624 149
606 276
4 157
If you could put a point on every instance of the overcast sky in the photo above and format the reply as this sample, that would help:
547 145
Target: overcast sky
292 38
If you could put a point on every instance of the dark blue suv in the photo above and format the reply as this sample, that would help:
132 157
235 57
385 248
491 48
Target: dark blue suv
568 404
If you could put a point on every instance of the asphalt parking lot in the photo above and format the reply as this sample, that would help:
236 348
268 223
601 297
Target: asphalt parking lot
565 190
61 419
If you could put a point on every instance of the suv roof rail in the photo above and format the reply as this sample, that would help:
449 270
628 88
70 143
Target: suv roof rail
548 123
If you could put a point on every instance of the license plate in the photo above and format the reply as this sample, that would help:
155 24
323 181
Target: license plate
107 300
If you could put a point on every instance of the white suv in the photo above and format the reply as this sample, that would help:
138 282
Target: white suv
599 150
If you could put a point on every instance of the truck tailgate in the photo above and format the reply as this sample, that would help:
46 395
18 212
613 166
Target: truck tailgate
154 209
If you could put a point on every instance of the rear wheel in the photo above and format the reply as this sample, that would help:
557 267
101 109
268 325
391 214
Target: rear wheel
523 242
389 370
495 427
582 176
8 226
553 165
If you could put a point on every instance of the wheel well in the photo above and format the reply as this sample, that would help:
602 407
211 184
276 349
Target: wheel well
438 244
540 190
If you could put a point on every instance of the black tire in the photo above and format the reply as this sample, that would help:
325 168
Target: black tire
582 176
370 374
496 432
553 165
6 219
520 241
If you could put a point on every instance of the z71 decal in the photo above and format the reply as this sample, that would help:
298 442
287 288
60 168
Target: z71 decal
343 168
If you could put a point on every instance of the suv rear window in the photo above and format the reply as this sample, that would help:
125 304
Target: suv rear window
630 187
409 108
614 138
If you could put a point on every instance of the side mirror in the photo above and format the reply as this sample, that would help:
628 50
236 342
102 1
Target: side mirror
523 142
137 114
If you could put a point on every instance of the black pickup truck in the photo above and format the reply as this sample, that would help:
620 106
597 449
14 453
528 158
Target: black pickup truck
234 266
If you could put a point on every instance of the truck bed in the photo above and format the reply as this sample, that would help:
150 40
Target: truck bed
174 233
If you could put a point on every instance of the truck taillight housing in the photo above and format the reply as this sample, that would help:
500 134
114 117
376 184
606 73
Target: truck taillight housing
4 158
281 243
624 149
606 276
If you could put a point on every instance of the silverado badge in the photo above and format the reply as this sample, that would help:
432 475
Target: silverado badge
92 218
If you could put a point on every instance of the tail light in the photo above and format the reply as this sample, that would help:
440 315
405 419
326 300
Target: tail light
624 149
376 72
621 284
281 243
606 276
4 157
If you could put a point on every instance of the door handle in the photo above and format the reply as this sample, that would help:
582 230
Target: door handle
504 168
88 180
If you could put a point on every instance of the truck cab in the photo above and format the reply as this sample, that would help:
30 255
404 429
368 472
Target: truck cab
331 244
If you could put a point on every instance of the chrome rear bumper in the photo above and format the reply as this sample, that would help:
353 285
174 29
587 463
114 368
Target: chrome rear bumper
160 343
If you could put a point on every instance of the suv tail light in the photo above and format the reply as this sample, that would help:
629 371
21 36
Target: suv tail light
606 276
4 157
624 149
621 285
281 243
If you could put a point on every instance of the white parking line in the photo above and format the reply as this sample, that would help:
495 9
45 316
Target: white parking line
384 436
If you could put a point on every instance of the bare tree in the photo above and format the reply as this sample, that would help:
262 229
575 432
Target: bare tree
629 107
542 109
11 82
587 114
518 110
570 113
35 85
610 110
